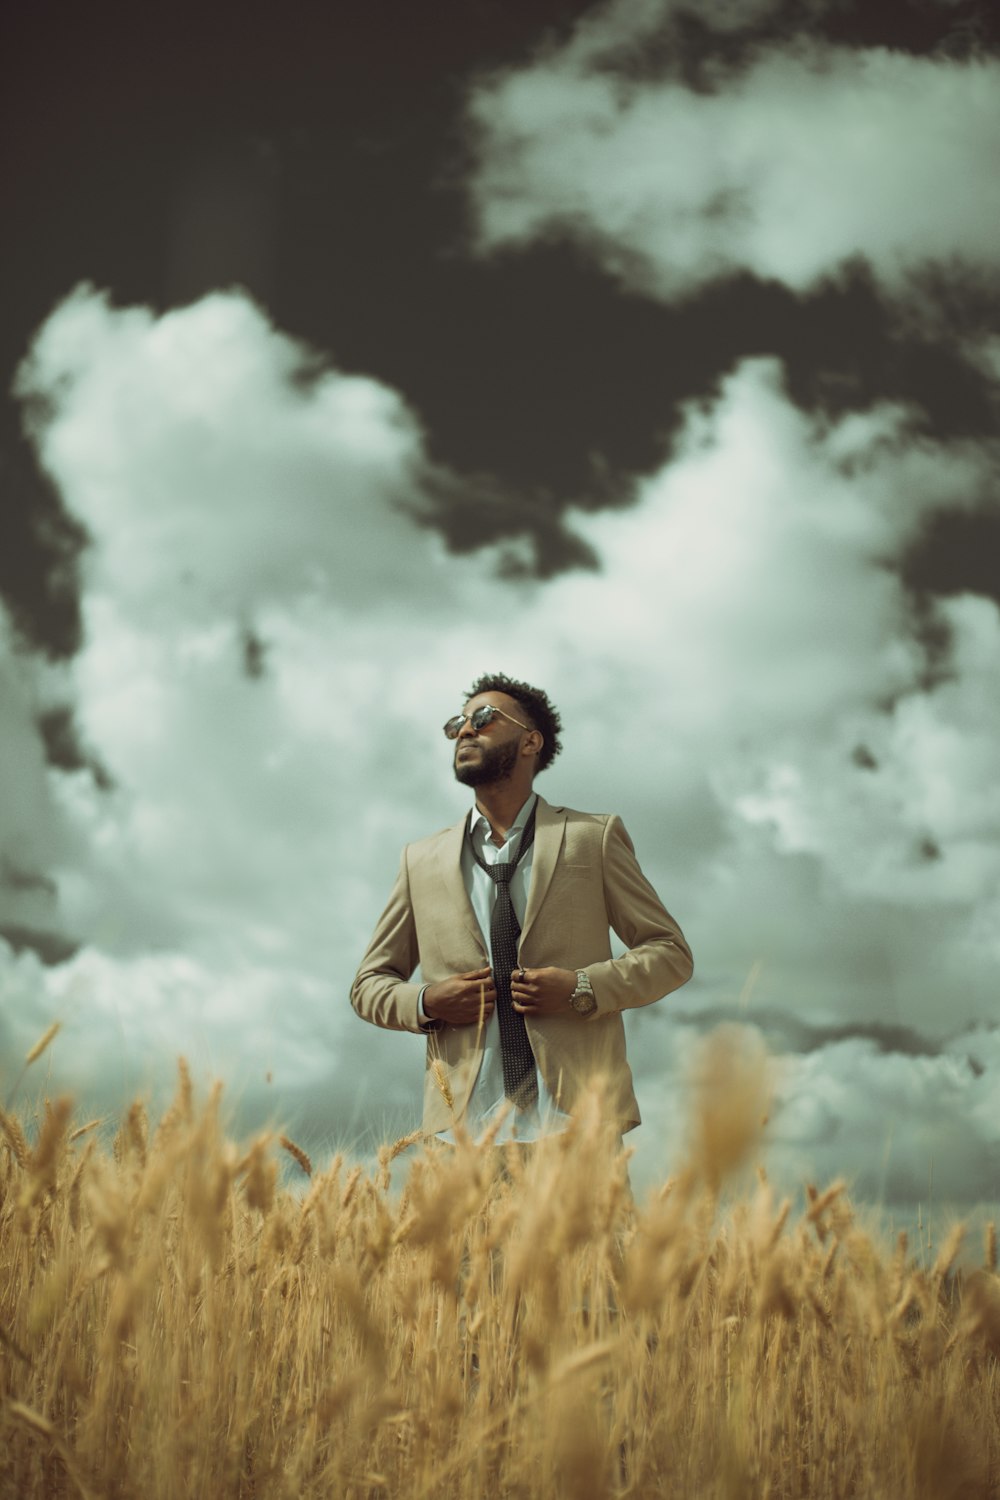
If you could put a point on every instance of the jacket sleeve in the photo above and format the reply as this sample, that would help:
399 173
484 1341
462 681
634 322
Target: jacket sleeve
381 992
659 959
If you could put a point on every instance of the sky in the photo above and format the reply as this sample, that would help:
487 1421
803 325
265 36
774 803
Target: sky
646 351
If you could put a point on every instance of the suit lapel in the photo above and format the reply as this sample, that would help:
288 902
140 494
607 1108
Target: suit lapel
454 897
550 825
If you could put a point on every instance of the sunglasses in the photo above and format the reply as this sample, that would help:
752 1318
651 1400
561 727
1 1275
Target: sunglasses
479 718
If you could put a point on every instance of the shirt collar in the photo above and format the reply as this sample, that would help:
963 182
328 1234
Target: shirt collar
479 824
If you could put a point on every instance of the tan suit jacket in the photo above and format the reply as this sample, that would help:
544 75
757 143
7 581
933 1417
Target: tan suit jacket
585 879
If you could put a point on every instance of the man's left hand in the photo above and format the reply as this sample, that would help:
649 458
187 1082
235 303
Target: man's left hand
542 992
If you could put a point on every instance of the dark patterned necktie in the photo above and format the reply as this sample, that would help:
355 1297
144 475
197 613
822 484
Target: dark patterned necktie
520 1082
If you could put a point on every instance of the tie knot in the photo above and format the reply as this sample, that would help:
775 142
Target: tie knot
502 872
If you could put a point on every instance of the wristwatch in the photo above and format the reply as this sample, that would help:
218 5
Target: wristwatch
582 998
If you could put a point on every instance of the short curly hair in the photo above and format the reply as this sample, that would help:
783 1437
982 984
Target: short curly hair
542 714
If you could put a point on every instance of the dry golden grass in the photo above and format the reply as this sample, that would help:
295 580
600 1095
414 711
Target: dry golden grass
174 1324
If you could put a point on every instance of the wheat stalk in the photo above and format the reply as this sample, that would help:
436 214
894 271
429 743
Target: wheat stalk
444 1087
37 1423
43 1041
9 1342
949 1250
16 1139
297 1153
404 1143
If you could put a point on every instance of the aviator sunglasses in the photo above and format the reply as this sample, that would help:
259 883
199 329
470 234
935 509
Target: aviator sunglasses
479 718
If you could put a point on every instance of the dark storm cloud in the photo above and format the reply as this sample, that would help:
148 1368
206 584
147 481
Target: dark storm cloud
339 1112
903 1118
40 548
321 166
649 142
50 947
704 42
476 509
25 893
788 1033
956 553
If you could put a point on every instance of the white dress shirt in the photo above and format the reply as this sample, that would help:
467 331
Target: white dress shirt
488 1099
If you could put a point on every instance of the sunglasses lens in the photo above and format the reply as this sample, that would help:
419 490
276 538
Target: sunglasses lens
478 720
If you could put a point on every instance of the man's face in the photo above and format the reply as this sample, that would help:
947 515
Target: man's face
489 755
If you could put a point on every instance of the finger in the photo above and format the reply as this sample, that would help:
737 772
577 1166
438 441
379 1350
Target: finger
483 973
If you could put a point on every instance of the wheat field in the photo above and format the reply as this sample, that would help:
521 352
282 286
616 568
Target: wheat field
175 1324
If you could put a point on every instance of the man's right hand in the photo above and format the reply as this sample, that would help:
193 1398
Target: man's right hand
463 999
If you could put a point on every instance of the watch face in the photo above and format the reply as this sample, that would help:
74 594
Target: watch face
584 1004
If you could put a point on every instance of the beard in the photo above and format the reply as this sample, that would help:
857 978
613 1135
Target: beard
495 763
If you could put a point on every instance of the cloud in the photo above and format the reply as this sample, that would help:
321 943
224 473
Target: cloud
744 679
759 562
33 838
789 163
904 1129
218 461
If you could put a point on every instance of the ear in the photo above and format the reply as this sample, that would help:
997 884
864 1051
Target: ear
532 743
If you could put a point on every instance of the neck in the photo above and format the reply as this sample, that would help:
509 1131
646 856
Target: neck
500 803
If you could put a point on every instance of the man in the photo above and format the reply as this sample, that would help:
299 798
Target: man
508 916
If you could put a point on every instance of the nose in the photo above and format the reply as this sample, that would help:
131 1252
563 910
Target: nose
467 731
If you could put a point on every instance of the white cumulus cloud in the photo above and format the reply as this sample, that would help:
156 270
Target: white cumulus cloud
804 158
